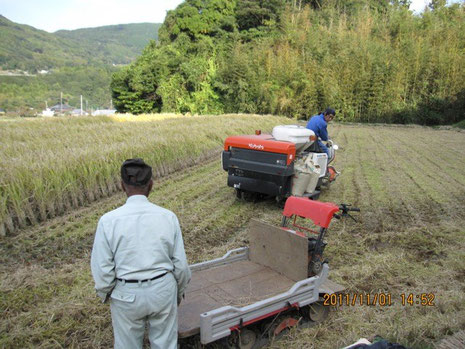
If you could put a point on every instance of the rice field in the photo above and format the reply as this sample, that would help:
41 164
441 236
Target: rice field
51 166
409 238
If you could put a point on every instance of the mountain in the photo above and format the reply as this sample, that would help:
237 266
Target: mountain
121 43
25 48
76 62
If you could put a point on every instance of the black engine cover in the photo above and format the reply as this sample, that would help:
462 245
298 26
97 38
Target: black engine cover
258 171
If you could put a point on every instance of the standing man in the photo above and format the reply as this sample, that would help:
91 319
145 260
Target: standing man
318 124
138 261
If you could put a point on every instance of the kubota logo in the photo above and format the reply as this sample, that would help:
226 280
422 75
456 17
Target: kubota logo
256 146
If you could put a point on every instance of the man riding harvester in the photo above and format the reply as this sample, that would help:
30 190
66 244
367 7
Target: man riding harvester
289 161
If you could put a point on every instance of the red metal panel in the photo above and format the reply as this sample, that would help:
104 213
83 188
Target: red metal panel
319 212
238 327
262 142
286 323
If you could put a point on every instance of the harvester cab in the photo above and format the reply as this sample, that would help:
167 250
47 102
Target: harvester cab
286 162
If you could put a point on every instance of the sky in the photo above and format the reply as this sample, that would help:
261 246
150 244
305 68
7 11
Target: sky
53 15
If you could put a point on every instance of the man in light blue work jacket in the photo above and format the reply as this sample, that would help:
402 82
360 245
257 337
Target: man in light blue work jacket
318 124
138 263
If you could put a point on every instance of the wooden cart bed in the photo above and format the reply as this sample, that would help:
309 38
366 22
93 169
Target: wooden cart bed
236 284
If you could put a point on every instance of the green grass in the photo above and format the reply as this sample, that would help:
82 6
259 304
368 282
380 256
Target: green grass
460 124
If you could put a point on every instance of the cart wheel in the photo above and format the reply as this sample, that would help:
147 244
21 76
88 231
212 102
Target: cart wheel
317 312
247 339
230 342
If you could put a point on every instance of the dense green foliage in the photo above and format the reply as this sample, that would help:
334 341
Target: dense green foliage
79 62
21 93
373 61
460 124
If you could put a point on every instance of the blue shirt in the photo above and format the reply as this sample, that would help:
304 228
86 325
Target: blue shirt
318 124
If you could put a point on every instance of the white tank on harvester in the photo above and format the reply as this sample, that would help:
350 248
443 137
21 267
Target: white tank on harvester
286 162
299 135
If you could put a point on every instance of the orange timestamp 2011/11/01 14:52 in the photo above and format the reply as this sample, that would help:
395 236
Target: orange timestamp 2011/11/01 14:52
378 299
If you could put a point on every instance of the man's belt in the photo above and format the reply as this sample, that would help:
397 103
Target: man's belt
136 281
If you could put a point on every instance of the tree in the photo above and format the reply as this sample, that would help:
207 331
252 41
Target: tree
437 4
257 13
197 18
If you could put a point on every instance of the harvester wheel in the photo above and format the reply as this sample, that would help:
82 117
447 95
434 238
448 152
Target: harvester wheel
332 173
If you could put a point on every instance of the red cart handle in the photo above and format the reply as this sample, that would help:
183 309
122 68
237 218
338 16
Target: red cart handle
319 212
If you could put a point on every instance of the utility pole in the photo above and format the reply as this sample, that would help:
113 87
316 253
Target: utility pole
81 105
87 108
61 103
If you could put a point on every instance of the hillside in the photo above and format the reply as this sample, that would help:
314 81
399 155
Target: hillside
28 49
20 93
373 61
25 48
122 42
78 62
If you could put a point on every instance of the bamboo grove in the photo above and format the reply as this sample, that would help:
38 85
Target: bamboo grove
373 61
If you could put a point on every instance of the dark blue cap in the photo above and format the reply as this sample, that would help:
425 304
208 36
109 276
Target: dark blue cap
136 172
330 111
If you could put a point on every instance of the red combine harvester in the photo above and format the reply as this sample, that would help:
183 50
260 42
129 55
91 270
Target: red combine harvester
254 293
286 162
